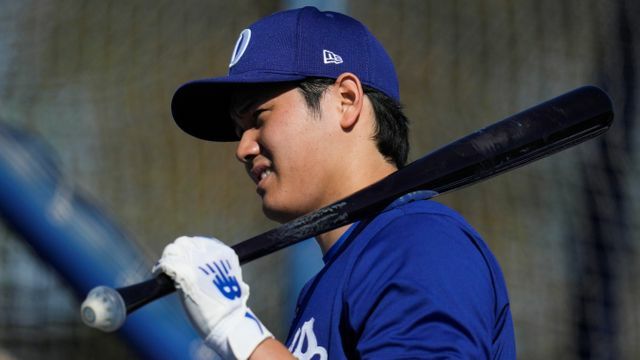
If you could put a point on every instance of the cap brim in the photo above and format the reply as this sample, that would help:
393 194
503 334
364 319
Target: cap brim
201 107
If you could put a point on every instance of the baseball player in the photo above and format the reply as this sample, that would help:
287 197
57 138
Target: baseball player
313 100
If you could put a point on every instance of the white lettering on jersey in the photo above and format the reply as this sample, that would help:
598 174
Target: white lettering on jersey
305 340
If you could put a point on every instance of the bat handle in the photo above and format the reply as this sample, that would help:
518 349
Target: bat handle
138 295
106 308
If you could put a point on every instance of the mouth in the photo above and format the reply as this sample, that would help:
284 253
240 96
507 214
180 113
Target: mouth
260 173
264 174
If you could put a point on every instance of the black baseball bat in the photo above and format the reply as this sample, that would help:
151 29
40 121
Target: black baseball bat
540 131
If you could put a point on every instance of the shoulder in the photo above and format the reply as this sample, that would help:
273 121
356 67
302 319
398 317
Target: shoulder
427 247
422 233
422 259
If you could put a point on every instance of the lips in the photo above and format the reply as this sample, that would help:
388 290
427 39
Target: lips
259 172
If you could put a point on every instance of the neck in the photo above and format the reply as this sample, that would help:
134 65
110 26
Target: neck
326 240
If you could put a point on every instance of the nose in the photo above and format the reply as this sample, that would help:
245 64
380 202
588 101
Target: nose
248 147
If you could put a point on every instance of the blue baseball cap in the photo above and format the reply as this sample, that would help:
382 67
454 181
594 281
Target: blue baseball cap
287 46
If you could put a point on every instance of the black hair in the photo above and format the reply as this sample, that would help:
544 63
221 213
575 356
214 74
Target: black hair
392 126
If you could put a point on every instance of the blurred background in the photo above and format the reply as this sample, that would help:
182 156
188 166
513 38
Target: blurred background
93 80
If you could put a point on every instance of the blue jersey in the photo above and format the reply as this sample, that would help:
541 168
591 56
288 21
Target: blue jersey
414 282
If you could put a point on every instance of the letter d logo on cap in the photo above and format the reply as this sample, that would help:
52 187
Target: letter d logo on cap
241 46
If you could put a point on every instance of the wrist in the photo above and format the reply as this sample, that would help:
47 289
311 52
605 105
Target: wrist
242 335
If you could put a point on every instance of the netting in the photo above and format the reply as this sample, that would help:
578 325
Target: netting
94 79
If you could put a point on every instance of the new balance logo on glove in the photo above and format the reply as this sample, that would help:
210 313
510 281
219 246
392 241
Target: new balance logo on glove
226 283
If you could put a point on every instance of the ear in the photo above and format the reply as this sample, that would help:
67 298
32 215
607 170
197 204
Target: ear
351 97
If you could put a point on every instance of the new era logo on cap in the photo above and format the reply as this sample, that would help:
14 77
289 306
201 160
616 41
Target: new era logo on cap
331 58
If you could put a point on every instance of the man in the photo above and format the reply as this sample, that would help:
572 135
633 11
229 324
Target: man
313 99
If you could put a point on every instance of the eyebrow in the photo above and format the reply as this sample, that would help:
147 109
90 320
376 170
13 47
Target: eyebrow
244 98
239 105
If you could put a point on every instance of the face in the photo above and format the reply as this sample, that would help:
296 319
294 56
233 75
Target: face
288 151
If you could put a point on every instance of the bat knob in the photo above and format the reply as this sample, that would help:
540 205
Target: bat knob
103 309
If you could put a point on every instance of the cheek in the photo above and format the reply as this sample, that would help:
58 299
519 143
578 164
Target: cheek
299 164
291 136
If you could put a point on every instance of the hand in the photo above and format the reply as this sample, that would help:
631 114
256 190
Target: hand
208 276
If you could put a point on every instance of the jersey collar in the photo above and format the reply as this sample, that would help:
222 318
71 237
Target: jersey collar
404 199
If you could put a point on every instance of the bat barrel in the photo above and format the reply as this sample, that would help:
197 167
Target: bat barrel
534 133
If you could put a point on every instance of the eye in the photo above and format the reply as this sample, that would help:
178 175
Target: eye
258 118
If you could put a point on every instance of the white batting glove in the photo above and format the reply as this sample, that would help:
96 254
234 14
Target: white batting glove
207 274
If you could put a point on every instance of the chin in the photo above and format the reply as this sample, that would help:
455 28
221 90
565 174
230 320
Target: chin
280 214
